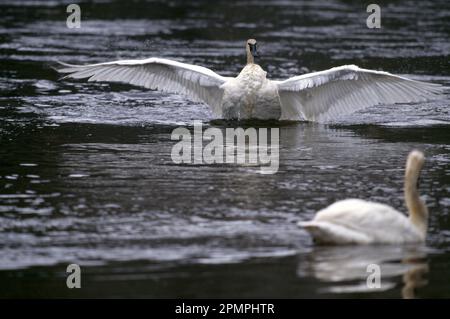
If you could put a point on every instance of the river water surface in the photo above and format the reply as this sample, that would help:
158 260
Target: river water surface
86 175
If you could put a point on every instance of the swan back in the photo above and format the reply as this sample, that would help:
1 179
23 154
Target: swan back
358 221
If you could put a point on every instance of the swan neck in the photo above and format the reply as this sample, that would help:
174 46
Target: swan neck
250 59
418 212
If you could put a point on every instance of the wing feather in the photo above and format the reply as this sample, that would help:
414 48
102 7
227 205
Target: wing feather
198 83
326 95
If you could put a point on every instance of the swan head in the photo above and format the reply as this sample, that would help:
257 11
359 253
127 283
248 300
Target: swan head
415 161
252 46
252 52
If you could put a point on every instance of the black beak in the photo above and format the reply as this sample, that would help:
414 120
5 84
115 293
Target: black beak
254 51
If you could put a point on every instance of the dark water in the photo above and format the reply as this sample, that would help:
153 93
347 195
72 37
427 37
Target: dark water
86 175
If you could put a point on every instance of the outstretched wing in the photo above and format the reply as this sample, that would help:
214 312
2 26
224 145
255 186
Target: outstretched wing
325 95
198 83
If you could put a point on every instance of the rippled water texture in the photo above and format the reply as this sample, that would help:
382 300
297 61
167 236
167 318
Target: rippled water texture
86 175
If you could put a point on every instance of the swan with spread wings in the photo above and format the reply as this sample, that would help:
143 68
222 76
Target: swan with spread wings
317 97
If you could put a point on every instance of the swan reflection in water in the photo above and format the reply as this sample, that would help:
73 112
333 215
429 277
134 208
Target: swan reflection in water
345 268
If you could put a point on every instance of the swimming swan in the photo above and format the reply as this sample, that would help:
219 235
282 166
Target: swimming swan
318 96
355 221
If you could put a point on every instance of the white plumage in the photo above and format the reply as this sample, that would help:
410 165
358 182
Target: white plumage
318 96
325 95
355 221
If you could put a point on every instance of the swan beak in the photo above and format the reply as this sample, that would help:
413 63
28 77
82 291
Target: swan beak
254 51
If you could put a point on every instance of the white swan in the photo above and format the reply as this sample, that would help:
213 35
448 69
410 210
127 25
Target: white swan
317 96
355 221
